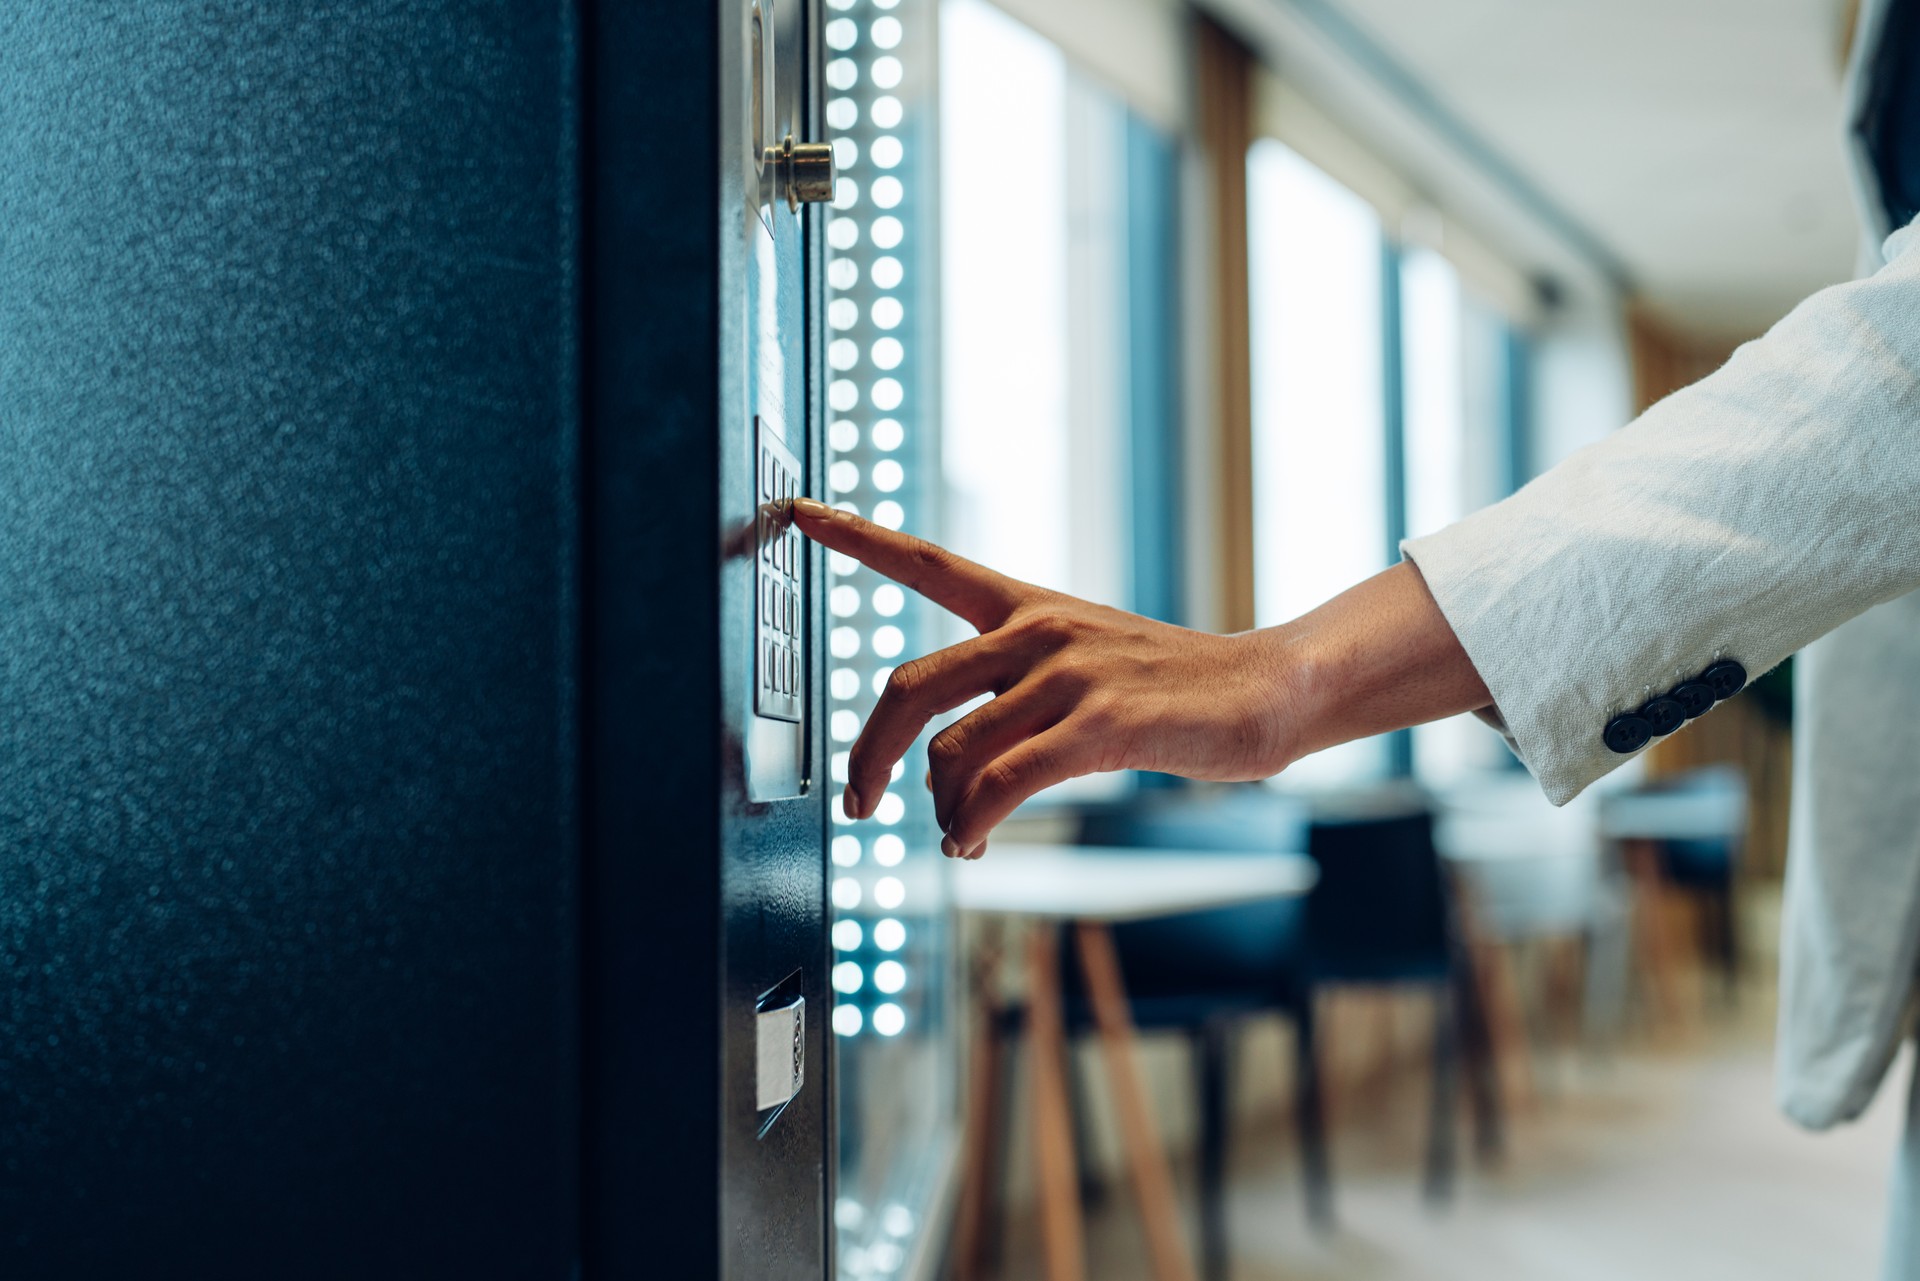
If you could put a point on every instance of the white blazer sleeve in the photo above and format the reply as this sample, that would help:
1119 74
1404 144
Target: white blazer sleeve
1738 519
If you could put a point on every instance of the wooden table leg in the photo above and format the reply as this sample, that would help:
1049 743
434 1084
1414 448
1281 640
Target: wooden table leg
1146 1159
1060 1225
1653 931
986 1057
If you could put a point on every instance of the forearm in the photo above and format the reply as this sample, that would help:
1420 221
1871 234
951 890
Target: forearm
1378 657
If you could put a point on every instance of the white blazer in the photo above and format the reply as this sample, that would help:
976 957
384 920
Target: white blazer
1772 505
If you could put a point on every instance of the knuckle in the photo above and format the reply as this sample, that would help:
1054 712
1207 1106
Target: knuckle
930 557
907 680
1000 780
946 748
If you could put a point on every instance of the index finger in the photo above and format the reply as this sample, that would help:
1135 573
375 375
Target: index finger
974 592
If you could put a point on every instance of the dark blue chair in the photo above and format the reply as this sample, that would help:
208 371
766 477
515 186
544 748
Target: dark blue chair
1382 914
1705 864
1200 974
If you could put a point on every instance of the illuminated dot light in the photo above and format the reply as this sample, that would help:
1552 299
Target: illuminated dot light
872 243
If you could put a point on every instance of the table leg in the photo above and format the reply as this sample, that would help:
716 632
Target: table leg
1654 934
986 1057
1146 1158
1060 1225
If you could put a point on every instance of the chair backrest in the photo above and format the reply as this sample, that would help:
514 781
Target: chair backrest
1380 912
1246 951
1699 818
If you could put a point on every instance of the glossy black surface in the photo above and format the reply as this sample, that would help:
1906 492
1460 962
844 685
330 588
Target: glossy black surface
696 901
288 825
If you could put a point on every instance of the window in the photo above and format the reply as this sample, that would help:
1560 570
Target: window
1316 253
1456 429
1058 401
1361 348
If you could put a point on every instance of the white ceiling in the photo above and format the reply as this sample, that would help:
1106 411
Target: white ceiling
1700 140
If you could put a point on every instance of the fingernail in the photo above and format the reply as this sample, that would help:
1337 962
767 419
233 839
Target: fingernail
850 802
950 847
811 508
928 780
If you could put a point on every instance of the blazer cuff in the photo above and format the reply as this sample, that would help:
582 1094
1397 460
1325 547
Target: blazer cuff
1491 593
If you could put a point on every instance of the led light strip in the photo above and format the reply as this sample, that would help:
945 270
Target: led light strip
876 396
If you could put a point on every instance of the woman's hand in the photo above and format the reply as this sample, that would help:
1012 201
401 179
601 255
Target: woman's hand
1081 688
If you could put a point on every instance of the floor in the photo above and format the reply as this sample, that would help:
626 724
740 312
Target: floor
1658 1164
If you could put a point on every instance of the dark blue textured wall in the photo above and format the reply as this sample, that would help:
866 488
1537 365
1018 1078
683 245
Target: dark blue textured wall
286 678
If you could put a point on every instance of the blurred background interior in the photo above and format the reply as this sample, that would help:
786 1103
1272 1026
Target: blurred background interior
1200 310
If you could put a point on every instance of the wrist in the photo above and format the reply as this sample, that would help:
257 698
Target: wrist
1288 679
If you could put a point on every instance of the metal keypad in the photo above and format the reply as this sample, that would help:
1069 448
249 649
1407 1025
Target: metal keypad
779 639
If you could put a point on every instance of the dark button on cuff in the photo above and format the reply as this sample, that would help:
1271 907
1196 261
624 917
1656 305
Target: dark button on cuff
1696 698
1725 678
1627 733
1664 715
